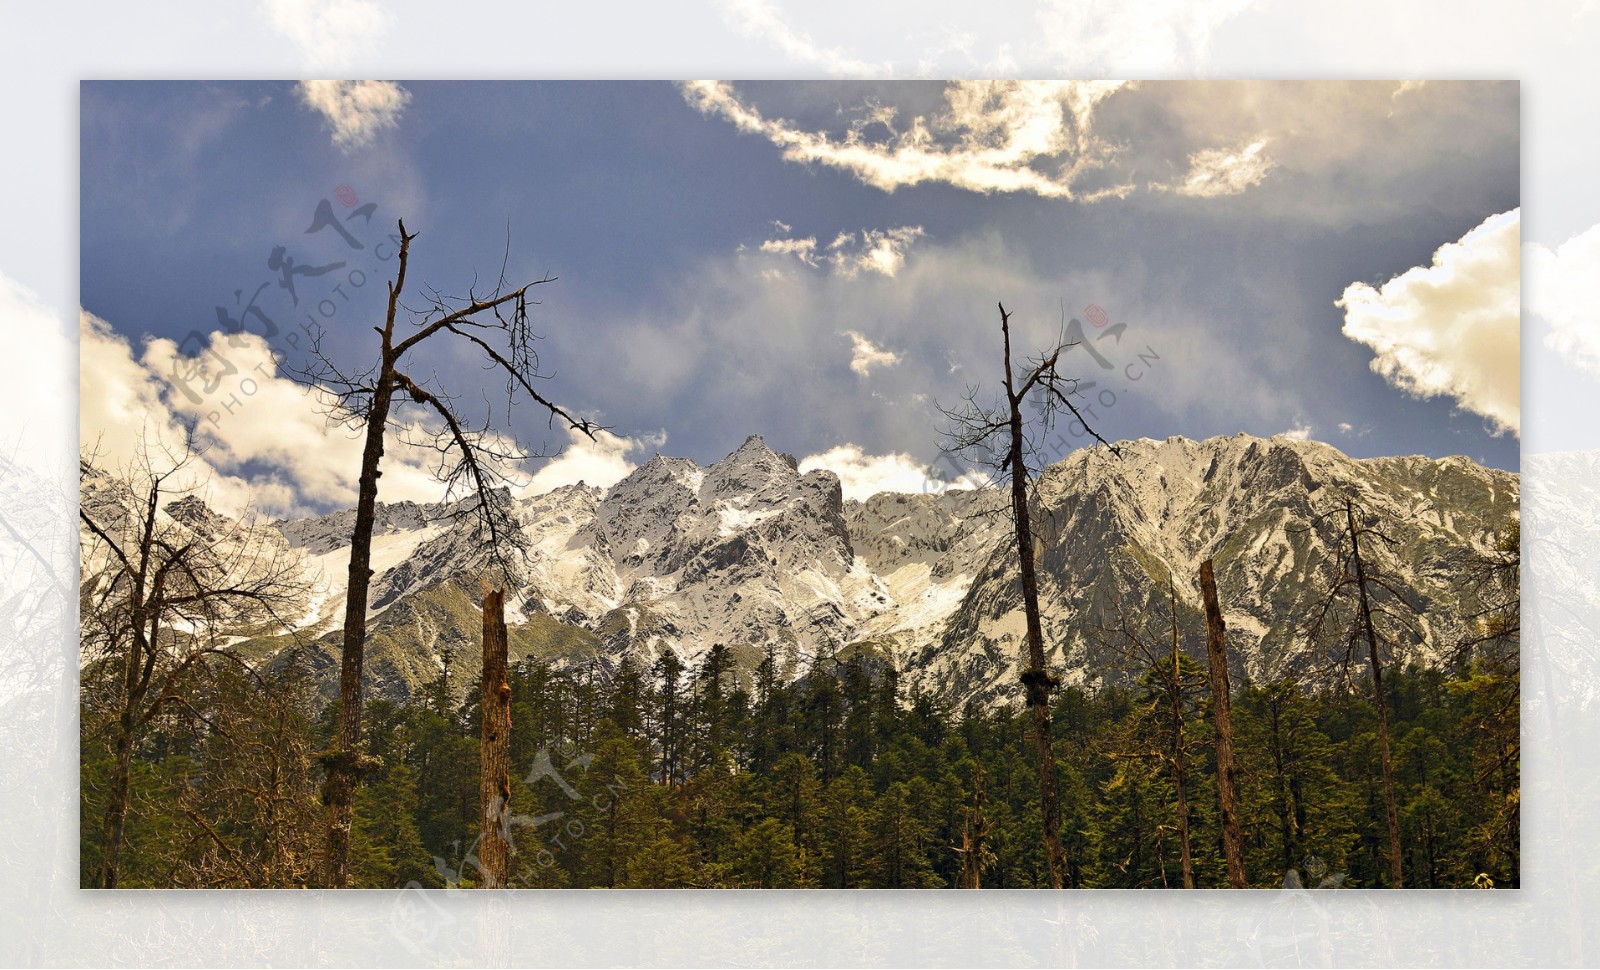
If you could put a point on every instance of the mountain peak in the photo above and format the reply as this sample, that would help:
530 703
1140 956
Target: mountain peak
755 454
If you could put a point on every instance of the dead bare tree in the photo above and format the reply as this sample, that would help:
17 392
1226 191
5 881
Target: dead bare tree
975 430
471 459
495 769
166 587
1369 592
975 851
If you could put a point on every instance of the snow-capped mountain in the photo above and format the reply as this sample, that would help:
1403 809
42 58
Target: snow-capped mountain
750 553
1113 529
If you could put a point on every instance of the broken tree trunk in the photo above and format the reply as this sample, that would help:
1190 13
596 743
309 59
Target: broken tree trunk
1037 681
1222 712
495 782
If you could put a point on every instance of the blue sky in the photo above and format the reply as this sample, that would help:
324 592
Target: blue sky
818 262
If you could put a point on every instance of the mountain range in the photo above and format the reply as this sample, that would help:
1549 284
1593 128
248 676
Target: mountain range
751 553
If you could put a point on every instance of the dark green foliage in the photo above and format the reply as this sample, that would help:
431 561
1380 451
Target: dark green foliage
651 774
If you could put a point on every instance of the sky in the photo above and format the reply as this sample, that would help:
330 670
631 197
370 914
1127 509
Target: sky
816 262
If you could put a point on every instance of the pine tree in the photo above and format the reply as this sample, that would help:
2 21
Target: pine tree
386 847
846 807
900 841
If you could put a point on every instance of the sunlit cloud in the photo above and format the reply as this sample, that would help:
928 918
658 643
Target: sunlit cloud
1218 172
600 462
355 111
990 137
863 475
864 355
1451 328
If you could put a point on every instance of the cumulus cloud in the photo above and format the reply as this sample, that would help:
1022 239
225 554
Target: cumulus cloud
862 476
355 111
1217 172
864 355
264 439
1451 328
1564 291
123 415
989 136
1299 433
601 462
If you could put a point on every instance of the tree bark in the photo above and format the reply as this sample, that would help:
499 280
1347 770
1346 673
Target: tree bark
117 810
974 837
495 780
346 762
1036 680
1222 711
1396 875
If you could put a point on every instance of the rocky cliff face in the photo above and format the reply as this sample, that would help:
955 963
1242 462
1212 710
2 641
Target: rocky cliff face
750 553
1114 531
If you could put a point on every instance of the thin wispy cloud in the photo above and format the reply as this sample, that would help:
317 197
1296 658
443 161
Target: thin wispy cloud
805 250
355 111
1216 172
990 137
1451 328
850 254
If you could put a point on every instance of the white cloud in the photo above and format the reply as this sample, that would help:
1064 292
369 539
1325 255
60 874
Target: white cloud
1217 172
1451 328
990 136
864 355
804 250
862 476
601 462
1298 433
881 251
1564 291
122 410
330 33
356 111
264 439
